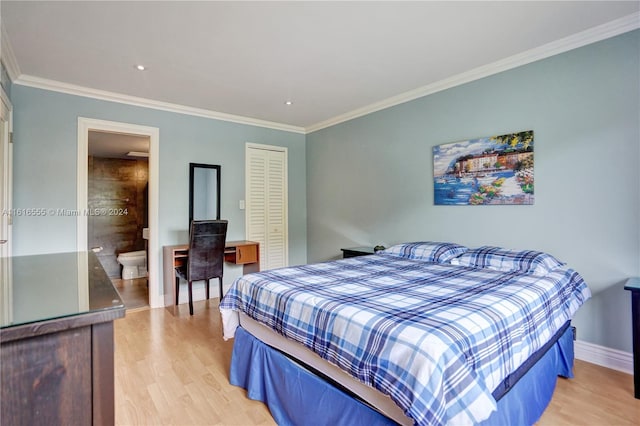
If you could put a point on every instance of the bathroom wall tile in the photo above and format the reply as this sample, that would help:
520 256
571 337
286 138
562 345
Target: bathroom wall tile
119 186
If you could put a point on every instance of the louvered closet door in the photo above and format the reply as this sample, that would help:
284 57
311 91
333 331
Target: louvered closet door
266 204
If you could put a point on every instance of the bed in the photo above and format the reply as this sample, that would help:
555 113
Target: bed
425 333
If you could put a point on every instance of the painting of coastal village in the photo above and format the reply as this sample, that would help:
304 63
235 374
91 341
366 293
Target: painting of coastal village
485 171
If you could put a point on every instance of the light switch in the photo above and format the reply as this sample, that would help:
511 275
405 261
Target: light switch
241 204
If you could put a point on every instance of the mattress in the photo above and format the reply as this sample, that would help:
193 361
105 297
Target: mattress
437 339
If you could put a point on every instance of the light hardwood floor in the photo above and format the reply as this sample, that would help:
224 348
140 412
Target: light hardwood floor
172 369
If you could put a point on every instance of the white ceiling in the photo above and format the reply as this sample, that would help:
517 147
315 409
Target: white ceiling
245 59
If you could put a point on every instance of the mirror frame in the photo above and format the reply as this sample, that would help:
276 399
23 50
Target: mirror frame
192 168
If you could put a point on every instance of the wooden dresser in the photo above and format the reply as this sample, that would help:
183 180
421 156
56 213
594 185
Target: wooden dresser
56 341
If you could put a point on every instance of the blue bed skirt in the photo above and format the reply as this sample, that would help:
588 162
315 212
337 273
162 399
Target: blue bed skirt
295 396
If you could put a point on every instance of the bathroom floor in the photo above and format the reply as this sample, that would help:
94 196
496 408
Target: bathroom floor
134 293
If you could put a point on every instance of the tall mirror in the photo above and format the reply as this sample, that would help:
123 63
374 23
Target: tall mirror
204 192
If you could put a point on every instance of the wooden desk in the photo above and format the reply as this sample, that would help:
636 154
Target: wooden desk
633 285
242 252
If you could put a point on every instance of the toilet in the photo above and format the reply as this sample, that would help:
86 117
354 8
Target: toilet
133 264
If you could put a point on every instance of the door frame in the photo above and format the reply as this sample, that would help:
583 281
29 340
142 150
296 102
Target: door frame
6 221
85 125
6 116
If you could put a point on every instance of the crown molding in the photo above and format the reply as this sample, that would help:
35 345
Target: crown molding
7 56
592 35
72 89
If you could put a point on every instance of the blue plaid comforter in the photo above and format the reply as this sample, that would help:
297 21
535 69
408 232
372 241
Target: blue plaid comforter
436 338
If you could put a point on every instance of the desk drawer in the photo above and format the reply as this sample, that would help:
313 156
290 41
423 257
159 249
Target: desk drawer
246 254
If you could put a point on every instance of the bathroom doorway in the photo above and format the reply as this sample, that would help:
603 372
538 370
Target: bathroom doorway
122 218
117 201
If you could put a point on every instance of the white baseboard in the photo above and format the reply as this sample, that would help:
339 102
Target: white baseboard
603 356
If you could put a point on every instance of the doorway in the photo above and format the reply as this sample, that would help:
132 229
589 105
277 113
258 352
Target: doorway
116 203
117 199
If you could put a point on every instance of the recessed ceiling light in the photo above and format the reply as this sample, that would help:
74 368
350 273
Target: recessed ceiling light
140 67
137 154
288 103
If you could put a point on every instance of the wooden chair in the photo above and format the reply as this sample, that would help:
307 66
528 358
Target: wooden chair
206 256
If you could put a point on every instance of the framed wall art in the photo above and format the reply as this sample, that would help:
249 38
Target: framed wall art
485 171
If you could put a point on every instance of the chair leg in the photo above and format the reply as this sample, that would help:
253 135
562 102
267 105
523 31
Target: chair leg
206 286
190 299
177 288
220 283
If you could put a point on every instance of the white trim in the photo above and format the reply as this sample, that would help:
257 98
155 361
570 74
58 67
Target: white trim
72 89
266 147
156 298
6 164
82 177
8 57
603 356
592 35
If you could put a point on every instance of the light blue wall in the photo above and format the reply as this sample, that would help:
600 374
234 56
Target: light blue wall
45 158
369 180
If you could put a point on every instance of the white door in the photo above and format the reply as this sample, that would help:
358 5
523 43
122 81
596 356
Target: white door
266 203
6 172
5 176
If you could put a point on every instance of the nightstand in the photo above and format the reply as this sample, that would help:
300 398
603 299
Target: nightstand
633 285
356 251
